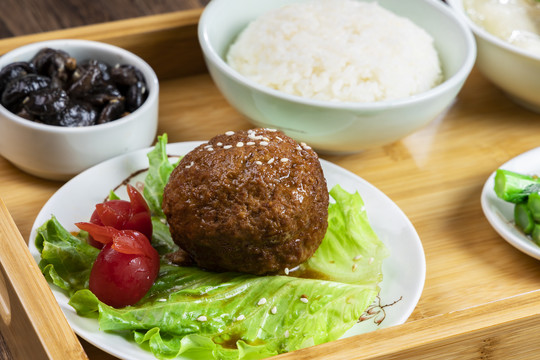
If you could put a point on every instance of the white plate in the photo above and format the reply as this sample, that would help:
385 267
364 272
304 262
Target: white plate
403 271
500 213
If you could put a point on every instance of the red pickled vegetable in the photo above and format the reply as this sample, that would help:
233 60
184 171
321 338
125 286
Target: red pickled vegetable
123 215
126 267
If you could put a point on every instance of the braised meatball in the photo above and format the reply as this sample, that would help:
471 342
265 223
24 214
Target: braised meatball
252 201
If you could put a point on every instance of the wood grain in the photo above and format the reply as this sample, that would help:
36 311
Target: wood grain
24 17
480 298
167 42
31 320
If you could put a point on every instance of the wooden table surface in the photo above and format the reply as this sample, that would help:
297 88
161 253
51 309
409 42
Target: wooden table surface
476 286
23 17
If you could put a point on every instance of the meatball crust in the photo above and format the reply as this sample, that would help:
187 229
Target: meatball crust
252 201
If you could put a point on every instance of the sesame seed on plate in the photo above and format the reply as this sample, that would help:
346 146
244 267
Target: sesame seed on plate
202 318
229 133
271 130
286 271
262 301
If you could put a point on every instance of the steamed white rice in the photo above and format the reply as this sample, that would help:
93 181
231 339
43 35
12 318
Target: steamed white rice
337 50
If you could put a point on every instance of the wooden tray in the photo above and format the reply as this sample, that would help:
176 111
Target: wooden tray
481 297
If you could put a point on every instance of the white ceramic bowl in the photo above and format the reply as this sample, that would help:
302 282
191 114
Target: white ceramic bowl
512 69
58 153
332 127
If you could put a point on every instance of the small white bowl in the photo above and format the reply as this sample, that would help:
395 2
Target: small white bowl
332 127
512 69
59 153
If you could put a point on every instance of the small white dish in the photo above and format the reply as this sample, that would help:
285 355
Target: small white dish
59 153
403 271
500 213
512 69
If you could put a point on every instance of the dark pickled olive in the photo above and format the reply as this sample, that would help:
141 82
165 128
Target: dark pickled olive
76 114
112 111
42 60
19 110
102 96
17 89
90 79
26 115
126 75
56 64
52 88
13 71
46 102
103 67
135 96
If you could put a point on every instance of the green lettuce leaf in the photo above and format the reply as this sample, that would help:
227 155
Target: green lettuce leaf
351 252
66 260
161 236
159 170
266 312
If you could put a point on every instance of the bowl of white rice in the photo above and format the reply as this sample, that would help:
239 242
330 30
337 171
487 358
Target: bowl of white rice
340 75
508 38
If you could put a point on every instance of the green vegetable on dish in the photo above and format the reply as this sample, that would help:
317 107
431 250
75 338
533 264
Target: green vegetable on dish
524 192
514 187
195 314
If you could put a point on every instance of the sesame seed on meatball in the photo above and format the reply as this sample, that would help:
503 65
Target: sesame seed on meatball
251 201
